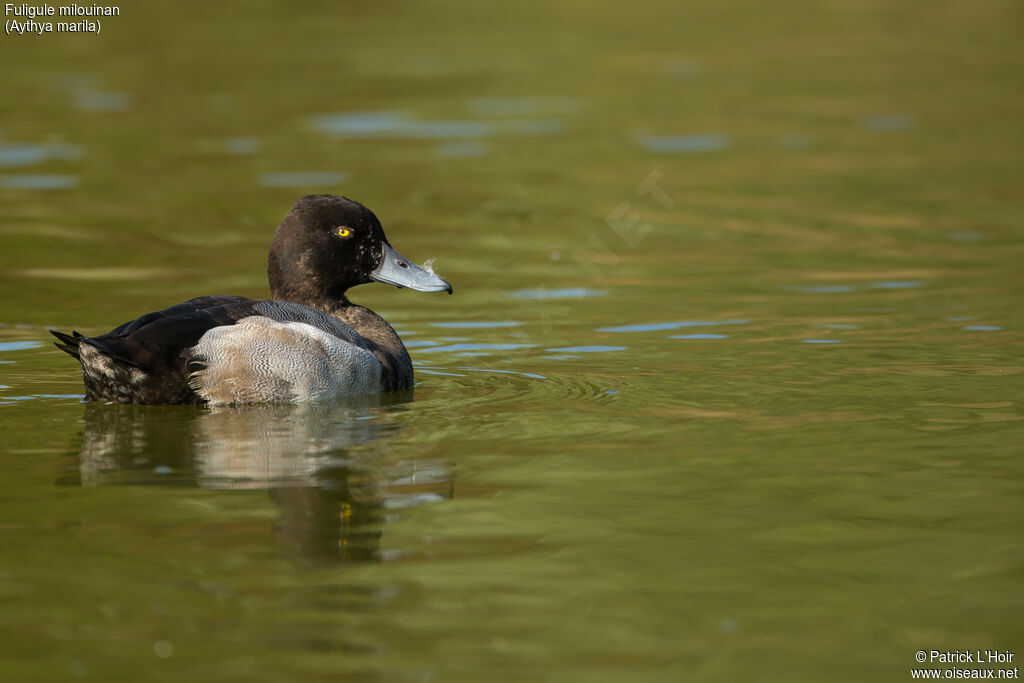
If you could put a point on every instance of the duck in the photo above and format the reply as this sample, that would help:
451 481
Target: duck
308 342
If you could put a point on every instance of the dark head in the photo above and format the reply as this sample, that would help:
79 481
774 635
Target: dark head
327 244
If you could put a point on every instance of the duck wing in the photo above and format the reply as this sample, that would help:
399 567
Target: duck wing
153 358
141 361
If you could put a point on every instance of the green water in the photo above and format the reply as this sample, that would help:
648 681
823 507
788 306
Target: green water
730 387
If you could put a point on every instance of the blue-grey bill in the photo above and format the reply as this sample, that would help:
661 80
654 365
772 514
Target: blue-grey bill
395 269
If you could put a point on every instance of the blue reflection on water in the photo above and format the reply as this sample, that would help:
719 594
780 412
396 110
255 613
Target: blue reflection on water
469 346
71 82
92 100
681 69
19 345
588 349
897 284
302 178
822 289
85 97
668 144
698 336
444 129
797 141
966 236
396 124
242 145
541 293
504 372
888 122
27 154
479 323
656 327
42 181
360 124
464 149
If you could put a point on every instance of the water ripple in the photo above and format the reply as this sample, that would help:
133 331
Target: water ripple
39 181
27 154
503 372
435 371
302 178
897 284
541 293
508 387
478 323
523 106
462 149
657 327
669 144
966 236
888 122
698 336
475 347
19 345
821 289
242 145
797 141
11 400
398 125
93 100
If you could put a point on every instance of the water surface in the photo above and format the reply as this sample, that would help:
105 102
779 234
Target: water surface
736 397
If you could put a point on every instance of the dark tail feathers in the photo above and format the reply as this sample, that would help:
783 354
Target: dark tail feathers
68 344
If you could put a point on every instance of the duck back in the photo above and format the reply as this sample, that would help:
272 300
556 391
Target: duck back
226 349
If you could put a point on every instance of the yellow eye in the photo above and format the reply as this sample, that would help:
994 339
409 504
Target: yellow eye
342 231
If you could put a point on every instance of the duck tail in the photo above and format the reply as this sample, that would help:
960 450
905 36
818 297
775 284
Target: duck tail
68 344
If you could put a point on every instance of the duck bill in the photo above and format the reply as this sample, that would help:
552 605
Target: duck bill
395 269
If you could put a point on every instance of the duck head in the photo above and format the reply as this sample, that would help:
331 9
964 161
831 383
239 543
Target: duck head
327 244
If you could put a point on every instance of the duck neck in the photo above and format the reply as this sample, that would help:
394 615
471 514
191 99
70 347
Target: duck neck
384 342
364 321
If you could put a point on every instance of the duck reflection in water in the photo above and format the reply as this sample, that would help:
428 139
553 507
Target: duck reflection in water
332 496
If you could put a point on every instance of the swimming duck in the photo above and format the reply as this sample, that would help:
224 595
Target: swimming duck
309 342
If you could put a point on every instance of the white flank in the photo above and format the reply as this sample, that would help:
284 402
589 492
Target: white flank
259 360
